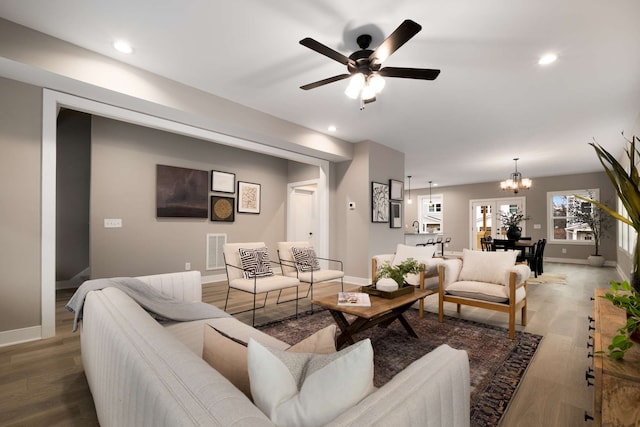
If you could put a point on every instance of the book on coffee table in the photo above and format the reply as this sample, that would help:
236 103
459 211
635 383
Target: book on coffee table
355 299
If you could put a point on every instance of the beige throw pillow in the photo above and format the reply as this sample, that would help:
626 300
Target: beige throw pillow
228 355
303 389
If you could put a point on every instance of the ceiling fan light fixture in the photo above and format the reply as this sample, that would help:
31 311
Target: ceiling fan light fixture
356 83
376 82
368 93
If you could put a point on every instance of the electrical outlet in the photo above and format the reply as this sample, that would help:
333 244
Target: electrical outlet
113 223
564 250
187 266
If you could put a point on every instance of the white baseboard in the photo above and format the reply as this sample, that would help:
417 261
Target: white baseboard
214 278
17 336
578 261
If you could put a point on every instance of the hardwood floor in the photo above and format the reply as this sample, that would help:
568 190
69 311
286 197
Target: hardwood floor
42 383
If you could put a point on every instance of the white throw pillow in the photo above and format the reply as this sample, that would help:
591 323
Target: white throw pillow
420 253
491 267
307 390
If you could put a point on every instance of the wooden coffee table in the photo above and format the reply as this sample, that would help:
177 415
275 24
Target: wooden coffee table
382 312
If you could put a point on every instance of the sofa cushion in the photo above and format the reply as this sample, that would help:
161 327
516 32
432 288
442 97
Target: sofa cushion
255 262
303 389
490 267
306 259
226 351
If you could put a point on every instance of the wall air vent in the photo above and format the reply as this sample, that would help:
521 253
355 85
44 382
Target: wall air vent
215 244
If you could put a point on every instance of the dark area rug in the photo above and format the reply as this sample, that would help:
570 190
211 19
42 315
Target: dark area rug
497 363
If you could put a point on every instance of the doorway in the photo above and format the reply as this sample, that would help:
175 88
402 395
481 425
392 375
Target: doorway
485 218
302 218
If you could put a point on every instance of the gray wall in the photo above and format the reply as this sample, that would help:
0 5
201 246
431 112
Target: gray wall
20 135
356 237
123 183
299 172
457 210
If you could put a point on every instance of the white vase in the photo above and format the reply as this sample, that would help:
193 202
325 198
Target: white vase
386 284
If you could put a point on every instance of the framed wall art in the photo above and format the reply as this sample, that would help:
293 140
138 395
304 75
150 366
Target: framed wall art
379 202
223 208
395 214
223 182
396 189
248 197
181 192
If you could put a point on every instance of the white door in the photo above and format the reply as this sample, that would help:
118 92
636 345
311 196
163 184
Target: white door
304 218
485 218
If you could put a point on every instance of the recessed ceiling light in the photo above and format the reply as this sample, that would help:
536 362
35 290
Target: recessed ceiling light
548 59
331 128
122 46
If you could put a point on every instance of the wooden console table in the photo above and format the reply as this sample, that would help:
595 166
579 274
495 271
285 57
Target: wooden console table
616 400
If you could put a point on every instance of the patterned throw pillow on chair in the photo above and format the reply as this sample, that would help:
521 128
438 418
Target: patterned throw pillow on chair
255 262
306 259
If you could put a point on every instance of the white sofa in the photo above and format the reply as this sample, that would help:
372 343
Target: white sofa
144 374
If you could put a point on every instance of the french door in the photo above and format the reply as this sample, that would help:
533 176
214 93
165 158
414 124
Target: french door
485 218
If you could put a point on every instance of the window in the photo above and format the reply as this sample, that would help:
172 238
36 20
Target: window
430 213
626 234
563 225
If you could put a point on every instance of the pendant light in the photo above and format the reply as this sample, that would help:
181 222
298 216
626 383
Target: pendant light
409 201
430 202
516 182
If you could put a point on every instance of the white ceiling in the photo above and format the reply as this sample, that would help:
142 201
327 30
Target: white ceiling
492 101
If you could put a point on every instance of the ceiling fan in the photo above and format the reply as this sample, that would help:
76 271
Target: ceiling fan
365 65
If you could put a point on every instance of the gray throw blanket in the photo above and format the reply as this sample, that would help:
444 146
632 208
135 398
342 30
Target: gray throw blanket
160 306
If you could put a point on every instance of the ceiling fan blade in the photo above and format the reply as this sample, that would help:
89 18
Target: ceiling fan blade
400 36
410 73
325 81
325 50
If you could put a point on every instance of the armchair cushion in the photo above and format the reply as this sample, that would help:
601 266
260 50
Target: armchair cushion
489 267
420 253
306 259
255 262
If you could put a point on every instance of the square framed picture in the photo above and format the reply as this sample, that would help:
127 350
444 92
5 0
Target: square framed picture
379 202
395 214
181 192
223 182
248 197
396 189
223 208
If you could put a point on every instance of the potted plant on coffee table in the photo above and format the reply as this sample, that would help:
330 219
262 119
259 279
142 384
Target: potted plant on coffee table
399 272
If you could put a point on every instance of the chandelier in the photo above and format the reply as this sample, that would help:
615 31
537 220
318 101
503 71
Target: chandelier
409 201
516 182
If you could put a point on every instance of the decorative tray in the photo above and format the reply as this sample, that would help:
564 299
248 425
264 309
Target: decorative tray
371 290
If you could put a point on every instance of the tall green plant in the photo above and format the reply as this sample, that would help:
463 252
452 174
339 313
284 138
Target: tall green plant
627 186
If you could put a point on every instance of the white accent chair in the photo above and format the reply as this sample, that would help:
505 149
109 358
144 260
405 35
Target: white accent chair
426 279
237 280
292 268
488 280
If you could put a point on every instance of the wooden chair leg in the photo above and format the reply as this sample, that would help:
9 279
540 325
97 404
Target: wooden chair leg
458 308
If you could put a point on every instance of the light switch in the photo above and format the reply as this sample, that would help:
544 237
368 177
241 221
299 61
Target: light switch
537 226
113 223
